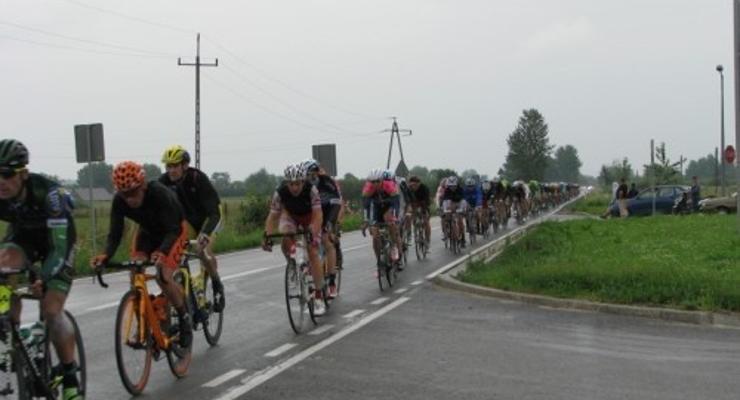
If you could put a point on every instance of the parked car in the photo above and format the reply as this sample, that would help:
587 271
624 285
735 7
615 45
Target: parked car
722 205
642 204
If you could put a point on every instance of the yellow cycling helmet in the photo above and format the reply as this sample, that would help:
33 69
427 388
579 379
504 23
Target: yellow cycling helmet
175 155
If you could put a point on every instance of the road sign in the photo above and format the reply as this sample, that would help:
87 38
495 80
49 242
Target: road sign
730 154
402 169
89 143
326 155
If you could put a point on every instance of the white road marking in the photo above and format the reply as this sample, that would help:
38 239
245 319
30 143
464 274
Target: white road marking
225 377
380 300
416 283
250 272
280 350
103 306
320 330
401 290
353 314
260 377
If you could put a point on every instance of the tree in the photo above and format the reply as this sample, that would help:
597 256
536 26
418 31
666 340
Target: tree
351 189
663 170
615 172
565 166
705 168
101 175
529 147
261 183
421 172
221 182
470 173
152 171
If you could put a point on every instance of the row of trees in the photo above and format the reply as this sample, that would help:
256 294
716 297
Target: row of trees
665 170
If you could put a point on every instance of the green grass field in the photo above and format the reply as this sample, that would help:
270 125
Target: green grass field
690 263
594 203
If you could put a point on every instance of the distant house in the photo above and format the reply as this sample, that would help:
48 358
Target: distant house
99 194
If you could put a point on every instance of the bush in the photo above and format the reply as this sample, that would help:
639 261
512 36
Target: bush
253 213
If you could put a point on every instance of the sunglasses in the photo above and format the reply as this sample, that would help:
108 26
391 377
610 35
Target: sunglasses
8 172
375 181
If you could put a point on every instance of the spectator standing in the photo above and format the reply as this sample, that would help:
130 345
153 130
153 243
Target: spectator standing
633 191
695 192
622 196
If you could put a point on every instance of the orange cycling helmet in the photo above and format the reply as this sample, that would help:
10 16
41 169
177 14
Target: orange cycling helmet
127 176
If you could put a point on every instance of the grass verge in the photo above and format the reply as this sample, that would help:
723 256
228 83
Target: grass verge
690 263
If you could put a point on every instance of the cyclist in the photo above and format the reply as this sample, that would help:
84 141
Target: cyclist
161 236
41 229
519 196
534 190
381 202
202 208
453 201
331 207
296 204
487 194
404 207
473 198
420 202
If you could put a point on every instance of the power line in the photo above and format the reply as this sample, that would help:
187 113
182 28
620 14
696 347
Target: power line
129 17
82 40
66 47
284 84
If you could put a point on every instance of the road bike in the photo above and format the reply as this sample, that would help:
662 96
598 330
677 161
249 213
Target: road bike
147 326
420 238
28 353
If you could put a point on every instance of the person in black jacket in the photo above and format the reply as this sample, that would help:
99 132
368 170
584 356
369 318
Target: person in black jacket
202 208
420 201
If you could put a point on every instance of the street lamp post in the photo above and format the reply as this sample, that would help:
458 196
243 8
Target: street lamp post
720 69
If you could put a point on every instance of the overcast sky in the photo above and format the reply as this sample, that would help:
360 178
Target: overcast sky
606 75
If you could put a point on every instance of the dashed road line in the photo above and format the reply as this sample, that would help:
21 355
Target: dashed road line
320 330
416 283
225 377
380 300
401 290
353 314
260 377
280 350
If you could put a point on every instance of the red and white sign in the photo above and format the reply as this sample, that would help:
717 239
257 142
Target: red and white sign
730 154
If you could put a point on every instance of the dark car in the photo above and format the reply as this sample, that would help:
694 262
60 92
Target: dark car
642 204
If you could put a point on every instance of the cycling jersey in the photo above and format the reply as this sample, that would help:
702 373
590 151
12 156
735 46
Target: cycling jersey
420 197
498 190
473 195
331 198
376 201
42 226
160 218
199 199
453 194
304 204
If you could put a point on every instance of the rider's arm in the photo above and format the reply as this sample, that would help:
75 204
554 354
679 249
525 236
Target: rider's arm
61 233
208 197
276 208
115 232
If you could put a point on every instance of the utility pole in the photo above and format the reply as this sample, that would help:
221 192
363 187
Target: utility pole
736 30
197 66
397 133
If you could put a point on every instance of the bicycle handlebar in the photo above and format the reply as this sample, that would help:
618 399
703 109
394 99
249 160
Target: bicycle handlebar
118 265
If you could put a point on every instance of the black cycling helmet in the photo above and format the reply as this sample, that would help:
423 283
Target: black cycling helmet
13 154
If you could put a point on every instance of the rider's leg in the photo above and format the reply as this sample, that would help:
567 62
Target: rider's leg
316 271
427 225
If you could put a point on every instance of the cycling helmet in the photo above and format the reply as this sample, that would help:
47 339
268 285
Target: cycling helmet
470 182
295 172
375 174
496 179
175 155
486 185
452 181
388 175
311 165
127 176
13 153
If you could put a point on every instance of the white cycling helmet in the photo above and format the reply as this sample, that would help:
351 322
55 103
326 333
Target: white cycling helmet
486 185
470 182
388 175
310 165
295 172
375 174
452 181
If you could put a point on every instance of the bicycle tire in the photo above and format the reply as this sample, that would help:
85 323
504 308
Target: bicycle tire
294 299
179 358
214 323
340 265
24 381
128 311
51 357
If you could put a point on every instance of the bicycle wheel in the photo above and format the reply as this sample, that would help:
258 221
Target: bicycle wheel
418 242
385 260
214 323
54 366
340 265
294 297
178 357
133 349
